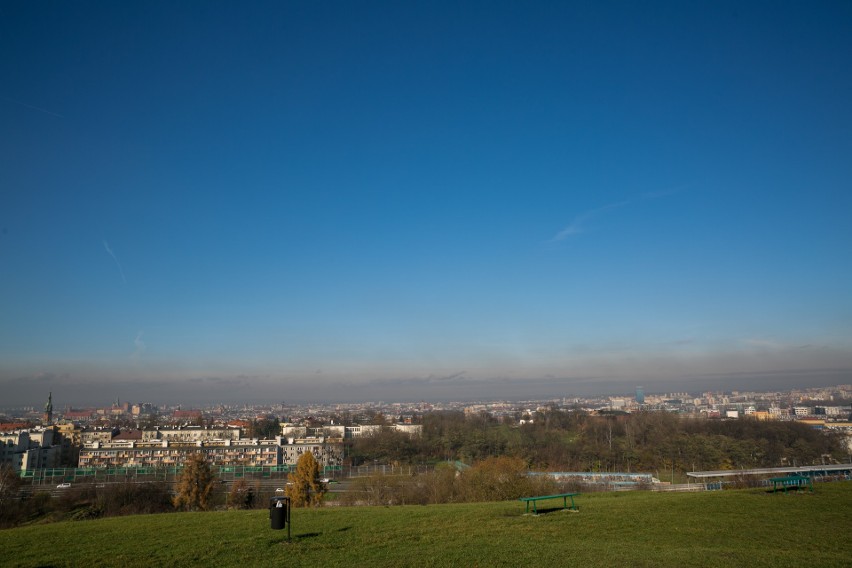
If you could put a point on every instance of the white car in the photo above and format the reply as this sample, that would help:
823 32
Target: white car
63 486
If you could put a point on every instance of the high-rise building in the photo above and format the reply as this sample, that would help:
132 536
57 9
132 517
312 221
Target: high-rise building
640 395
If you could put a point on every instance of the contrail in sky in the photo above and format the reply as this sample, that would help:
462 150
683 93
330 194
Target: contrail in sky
115 258
140 346
577 226
33 107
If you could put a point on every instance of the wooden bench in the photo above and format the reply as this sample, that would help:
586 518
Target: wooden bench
795 482
563 496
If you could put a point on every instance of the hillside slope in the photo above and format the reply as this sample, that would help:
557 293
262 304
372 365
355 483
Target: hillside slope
730 528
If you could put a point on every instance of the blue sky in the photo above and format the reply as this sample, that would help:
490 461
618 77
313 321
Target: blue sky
256 201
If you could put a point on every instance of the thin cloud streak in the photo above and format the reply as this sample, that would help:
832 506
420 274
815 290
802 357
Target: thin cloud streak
115 258
577 226
140 346
34 107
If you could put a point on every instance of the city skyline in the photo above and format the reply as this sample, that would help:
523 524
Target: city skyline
774 401
195 398
337 202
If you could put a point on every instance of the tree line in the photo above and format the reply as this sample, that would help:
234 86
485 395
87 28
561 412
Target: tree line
566 440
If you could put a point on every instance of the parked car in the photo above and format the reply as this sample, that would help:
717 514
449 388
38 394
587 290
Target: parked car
63 486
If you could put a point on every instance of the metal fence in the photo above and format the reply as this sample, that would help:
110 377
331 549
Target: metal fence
50 476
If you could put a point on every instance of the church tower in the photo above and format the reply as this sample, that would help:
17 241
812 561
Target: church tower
47 417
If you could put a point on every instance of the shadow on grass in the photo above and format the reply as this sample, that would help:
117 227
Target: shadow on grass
790 491
304 536
548 510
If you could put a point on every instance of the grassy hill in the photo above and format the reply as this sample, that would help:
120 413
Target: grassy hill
730 528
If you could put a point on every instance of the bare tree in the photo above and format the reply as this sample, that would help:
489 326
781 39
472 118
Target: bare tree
242 495
9 484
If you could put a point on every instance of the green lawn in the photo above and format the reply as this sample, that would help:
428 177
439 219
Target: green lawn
723 528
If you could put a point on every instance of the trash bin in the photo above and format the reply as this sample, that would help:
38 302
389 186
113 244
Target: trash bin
279 512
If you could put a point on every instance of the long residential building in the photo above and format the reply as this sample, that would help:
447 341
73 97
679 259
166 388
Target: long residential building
165 453
250 452
222 446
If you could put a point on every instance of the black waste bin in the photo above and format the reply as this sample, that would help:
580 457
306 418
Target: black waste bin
279 512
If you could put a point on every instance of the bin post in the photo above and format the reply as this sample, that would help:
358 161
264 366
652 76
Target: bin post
279 514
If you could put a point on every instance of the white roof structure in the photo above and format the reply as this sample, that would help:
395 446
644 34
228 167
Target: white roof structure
805 469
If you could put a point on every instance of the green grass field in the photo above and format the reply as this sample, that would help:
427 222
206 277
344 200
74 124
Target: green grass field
723 528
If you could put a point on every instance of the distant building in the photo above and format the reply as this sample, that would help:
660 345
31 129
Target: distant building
802 411
190 415
191 434
346 432
69 438
832 411
293 431
26 450
47 417
143 408
362 430
89 436
640 395
327 453
83 415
